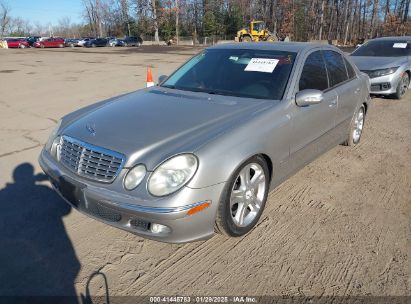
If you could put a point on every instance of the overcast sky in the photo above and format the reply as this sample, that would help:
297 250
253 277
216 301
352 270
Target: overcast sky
46 11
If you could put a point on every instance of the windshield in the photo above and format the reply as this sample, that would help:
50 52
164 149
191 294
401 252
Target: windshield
259 26
242 73
384 48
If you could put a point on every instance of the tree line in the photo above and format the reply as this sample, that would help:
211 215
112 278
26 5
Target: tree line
347 21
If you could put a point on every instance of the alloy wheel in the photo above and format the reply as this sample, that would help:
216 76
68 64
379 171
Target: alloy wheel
358 125
404 85
247 195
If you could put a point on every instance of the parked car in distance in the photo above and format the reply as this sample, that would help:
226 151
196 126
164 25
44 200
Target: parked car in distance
32 39
96 42
200 152
50 43
84 40
387 61
115 42
17 43
71 42
132 41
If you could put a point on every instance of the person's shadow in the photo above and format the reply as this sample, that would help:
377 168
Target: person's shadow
36 255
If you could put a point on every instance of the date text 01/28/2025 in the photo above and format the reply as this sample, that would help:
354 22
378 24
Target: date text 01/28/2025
202 299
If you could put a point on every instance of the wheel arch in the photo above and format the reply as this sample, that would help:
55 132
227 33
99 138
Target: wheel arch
246 35
269 164
365 107
409 75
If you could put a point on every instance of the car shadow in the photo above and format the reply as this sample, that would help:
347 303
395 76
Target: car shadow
36 254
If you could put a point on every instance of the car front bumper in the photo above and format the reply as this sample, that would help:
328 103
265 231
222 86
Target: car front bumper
123 211
385 85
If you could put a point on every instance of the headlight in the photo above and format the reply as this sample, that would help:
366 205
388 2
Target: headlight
134 177
52 137
383 72
172 174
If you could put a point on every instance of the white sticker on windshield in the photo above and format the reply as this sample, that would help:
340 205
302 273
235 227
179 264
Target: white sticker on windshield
400 45
235 58
264 65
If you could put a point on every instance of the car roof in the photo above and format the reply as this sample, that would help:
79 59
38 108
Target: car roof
278 46
393 38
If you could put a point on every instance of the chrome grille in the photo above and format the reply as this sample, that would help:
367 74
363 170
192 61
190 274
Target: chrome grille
90 161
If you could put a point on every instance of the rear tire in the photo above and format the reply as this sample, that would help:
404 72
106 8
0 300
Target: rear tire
271 38
246 39
243 198
356 127
402 86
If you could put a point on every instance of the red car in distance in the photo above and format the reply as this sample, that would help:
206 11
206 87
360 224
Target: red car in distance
17 43
50 43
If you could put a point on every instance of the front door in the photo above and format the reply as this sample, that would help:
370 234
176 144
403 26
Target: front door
313 126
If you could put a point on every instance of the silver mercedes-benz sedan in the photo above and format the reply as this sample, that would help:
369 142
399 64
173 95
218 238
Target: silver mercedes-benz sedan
198 153
387 61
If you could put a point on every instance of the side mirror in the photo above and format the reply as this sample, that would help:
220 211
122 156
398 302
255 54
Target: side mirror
308 97
162 78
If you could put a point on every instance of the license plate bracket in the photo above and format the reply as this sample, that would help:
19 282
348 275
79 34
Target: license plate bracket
71 190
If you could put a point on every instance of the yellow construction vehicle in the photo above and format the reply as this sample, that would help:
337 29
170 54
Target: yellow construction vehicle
257 31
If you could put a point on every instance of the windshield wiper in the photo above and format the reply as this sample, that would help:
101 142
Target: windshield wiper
168 86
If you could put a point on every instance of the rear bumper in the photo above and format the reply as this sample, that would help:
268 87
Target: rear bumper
125 212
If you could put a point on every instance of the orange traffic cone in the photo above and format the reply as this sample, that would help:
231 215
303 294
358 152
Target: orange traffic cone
150 81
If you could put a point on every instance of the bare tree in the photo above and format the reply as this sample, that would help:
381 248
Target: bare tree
373 19
155 21
4 17
38 28
321 20
93 14
124 14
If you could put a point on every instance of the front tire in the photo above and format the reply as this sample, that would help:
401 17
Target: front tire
246 39
356 127
243 199
402 86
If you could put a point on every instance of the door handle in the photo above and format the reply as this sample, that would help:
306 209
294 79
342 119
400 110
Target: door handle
333 103
357 91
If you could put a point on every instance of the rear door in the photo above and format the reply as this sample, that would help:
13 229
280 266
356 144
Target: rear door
313 125
49 42
348 87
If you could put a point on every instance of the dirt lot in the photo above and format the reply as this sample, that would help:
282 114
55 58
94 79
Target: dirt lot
341 226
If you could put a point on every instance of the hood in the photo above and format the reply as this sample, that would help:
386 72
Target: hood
150 125
369 63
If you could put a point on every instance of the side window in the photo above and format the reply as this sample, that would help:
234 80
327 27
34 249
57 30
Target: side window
336 67
314 74
350 69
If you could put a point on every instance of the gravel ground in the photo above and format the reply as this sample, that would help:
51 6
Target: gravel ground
341 226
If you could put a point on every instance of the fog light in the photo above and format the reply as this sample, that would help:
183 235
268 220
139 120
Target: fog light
386 86
158 228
